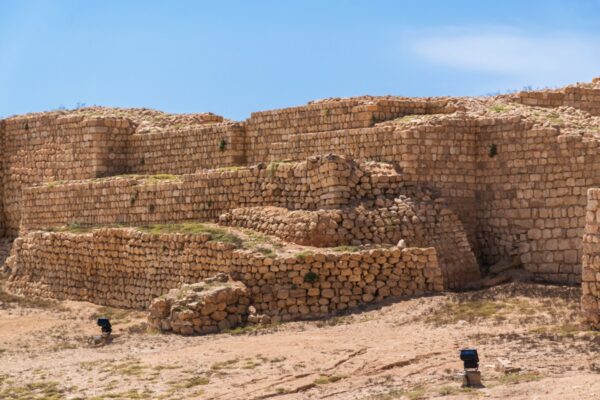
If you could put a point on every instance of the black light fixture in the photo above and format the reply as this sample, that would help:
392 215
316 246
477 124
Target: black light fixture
471 376
105 326
470 358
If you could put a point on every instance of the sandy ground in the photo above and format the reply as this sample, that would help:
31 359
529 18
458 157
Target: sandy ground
402 350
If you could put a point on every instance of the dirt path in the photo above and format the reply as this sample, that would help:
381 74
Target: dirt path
406 350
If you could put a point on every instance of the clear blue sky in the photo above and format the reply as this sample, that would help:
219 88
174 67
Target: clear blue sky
235 57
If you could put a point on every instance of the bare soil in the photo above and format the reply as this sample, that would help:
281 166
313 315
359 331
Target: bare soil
406 349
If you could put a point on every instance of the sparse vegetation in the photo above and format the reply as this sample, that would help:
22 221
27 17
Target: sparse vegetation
195 381
163 177
224 364
498 108
516 378
469 311
345 249
311 277
223 144
303 254
114 314
33 391
252 329
192 228
324 380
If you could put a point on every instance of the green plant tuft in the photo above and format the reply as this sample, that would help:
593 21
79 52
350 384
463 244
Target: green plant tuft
311 277
223 144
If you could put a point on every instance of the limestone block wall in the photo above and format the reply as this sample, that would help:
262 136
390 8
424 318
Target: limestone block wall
440 155
268 127
320 182
582 98
186 150
532 198
56 147
2 216
53 147
127 268
528 199
590 285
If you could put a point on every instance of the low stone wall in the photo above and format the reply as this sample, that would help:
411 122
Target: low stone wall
128 268
590 300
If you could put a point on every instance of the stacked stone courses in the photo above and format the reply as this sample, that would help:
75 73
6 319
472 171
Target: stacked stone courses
478 179
590 301
320 182
128 268
186 150
582 98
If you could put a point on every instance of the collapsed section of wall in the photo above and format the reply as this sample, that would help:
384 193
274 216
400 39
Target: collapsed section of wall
590 285
128 268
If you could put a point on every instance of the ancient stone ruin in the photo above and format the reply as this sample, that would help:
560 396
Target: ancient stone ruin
313 209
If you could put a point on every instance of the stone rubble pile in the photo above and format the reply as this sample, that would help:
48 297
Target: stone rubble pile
213 305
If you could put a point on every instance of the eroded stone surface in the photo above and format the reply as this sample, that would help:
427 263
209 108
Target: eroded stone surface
213 305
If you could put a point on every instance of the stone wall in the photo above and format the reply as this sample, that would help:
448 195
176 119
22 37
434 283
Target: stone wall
279 126
528 199
590 300
186 150
581 98
532 197
2 216
54 147
128 268
319 182
419 221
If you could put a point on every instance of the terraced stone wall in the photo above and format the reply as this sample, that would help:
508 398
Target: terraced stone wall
439 155
590 300
319 182
528 199
127 268
56 147
53 147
